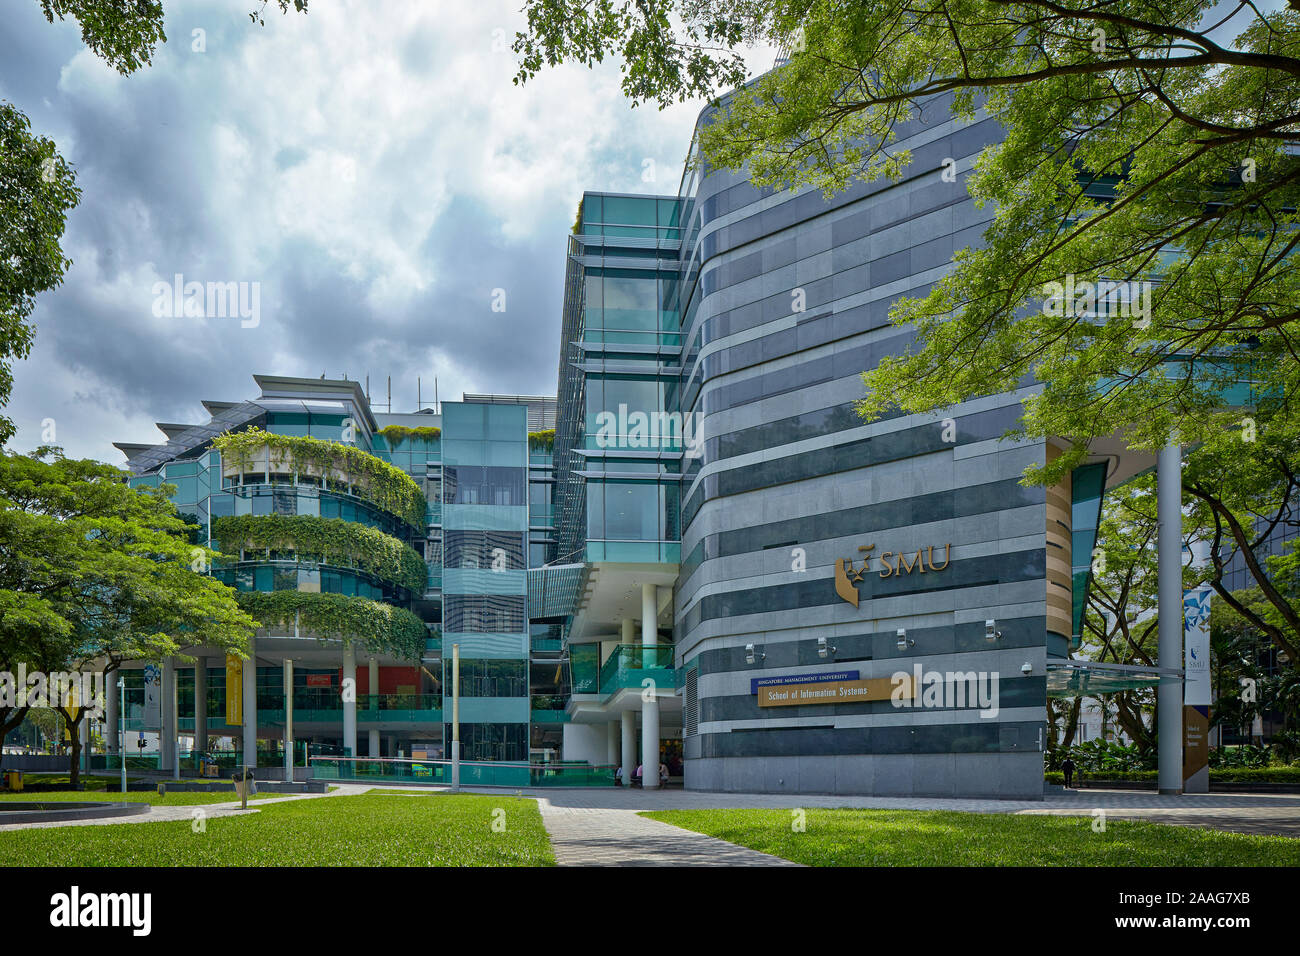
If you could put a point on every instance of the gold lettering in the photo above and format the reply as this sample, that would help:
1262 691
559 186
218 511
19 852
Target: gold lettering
916 560
947 556
884 559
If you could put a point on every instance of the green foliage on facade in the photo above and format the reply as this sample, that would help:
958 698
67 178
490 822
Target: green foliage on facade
331 541
396 434
543 441
374 480
381 628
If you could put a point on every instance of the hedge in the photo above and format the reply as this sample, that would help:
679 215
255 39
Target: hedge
329 540
396 434
1240 775
382 628
376 480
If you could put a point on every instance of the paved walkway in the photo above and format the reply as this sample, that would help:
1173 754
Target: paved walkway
592 836
163 814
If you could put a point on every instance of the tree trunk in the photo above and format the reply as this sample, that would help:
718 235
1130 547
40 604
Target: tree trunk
74 748
10 717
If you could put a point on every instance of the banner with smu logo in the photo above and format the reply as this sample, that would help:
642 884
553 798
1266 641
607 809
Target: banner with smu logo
1196 690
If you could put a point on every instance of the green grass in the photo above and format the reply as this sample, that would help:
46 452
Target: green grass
172 799
850 837
361 830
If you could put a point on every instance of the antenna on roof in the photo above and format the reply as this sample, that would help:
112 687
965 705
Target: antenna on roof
436 409
418 400
390 394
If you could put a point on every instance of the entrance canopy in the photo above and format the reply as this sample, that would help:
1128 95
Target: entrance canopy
1088 679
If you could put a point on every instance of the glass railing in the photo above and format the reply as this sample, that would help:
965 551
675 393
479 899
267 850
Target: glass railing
473 773
631 664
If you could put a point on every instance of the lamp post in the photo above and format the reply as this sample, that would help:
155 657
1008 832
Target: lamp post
121 725
455 718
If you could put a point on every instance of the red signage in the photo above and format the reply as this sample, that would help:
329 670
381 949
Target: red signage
320 680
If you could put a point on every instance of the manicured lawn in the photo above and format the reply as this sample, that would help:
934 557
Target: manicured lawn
172 799
363 830
850 837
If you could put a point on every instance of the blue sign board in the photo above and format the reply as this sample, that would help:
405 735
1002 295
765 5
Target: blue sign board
756 682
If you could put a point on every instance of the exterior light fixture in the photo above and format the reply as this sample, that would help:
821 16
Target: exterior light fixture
1026 668
751 656
904 642
824 649
991 632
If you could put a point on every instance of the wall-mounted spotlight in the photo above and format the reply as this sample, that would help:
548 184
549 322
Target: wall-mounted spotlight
991 632
904 642
825 649
751 656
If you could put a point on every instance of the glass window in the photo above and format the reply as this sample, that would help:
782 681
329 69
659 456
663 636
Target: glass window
479 549
631 511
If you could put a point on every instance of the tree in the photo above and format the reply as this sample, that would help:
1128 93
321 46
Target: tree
1118 624
94 572
37 186
37 190
1244 485
1145 145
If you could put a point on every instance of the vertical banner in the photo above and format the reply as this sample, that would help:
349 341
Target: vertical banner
1196 690
152 716
234 691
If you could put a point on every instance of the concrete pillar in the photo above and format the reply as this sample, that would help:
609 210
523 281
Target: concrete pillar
627 634
611 743
167 733
628 751
201 704
250 704
288 720
111 712
1169 583
649 699
349 700
372 747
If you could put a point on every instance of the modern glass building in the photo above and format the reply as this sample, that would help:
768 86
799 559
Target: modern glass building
697 555
776 594
427 520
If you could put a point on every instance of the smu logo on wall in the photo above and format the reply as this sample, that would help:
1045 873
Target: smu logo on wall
892 564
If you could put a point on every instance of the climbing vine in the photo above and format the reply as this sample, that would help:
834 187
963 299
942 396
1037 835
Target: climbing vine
328 540
375 480
382 628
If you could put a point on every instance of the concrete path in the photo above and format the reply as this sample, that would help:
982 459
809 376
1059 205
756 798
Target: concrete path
592 836
165 813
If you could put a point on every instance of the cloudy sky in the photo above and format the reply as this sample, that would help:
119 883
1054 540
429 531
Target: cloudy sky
370 165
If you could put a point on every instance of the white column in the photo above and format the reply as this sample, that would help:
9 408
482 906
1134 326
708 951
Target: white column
372 749
650 698
350 705
201 704
627 635
111 717
167 734
288 720
250 705
629 746
611 743
1169 582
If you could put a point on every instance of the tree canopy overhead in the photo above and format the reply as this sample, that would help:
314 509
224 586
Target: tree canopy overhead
1146 142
